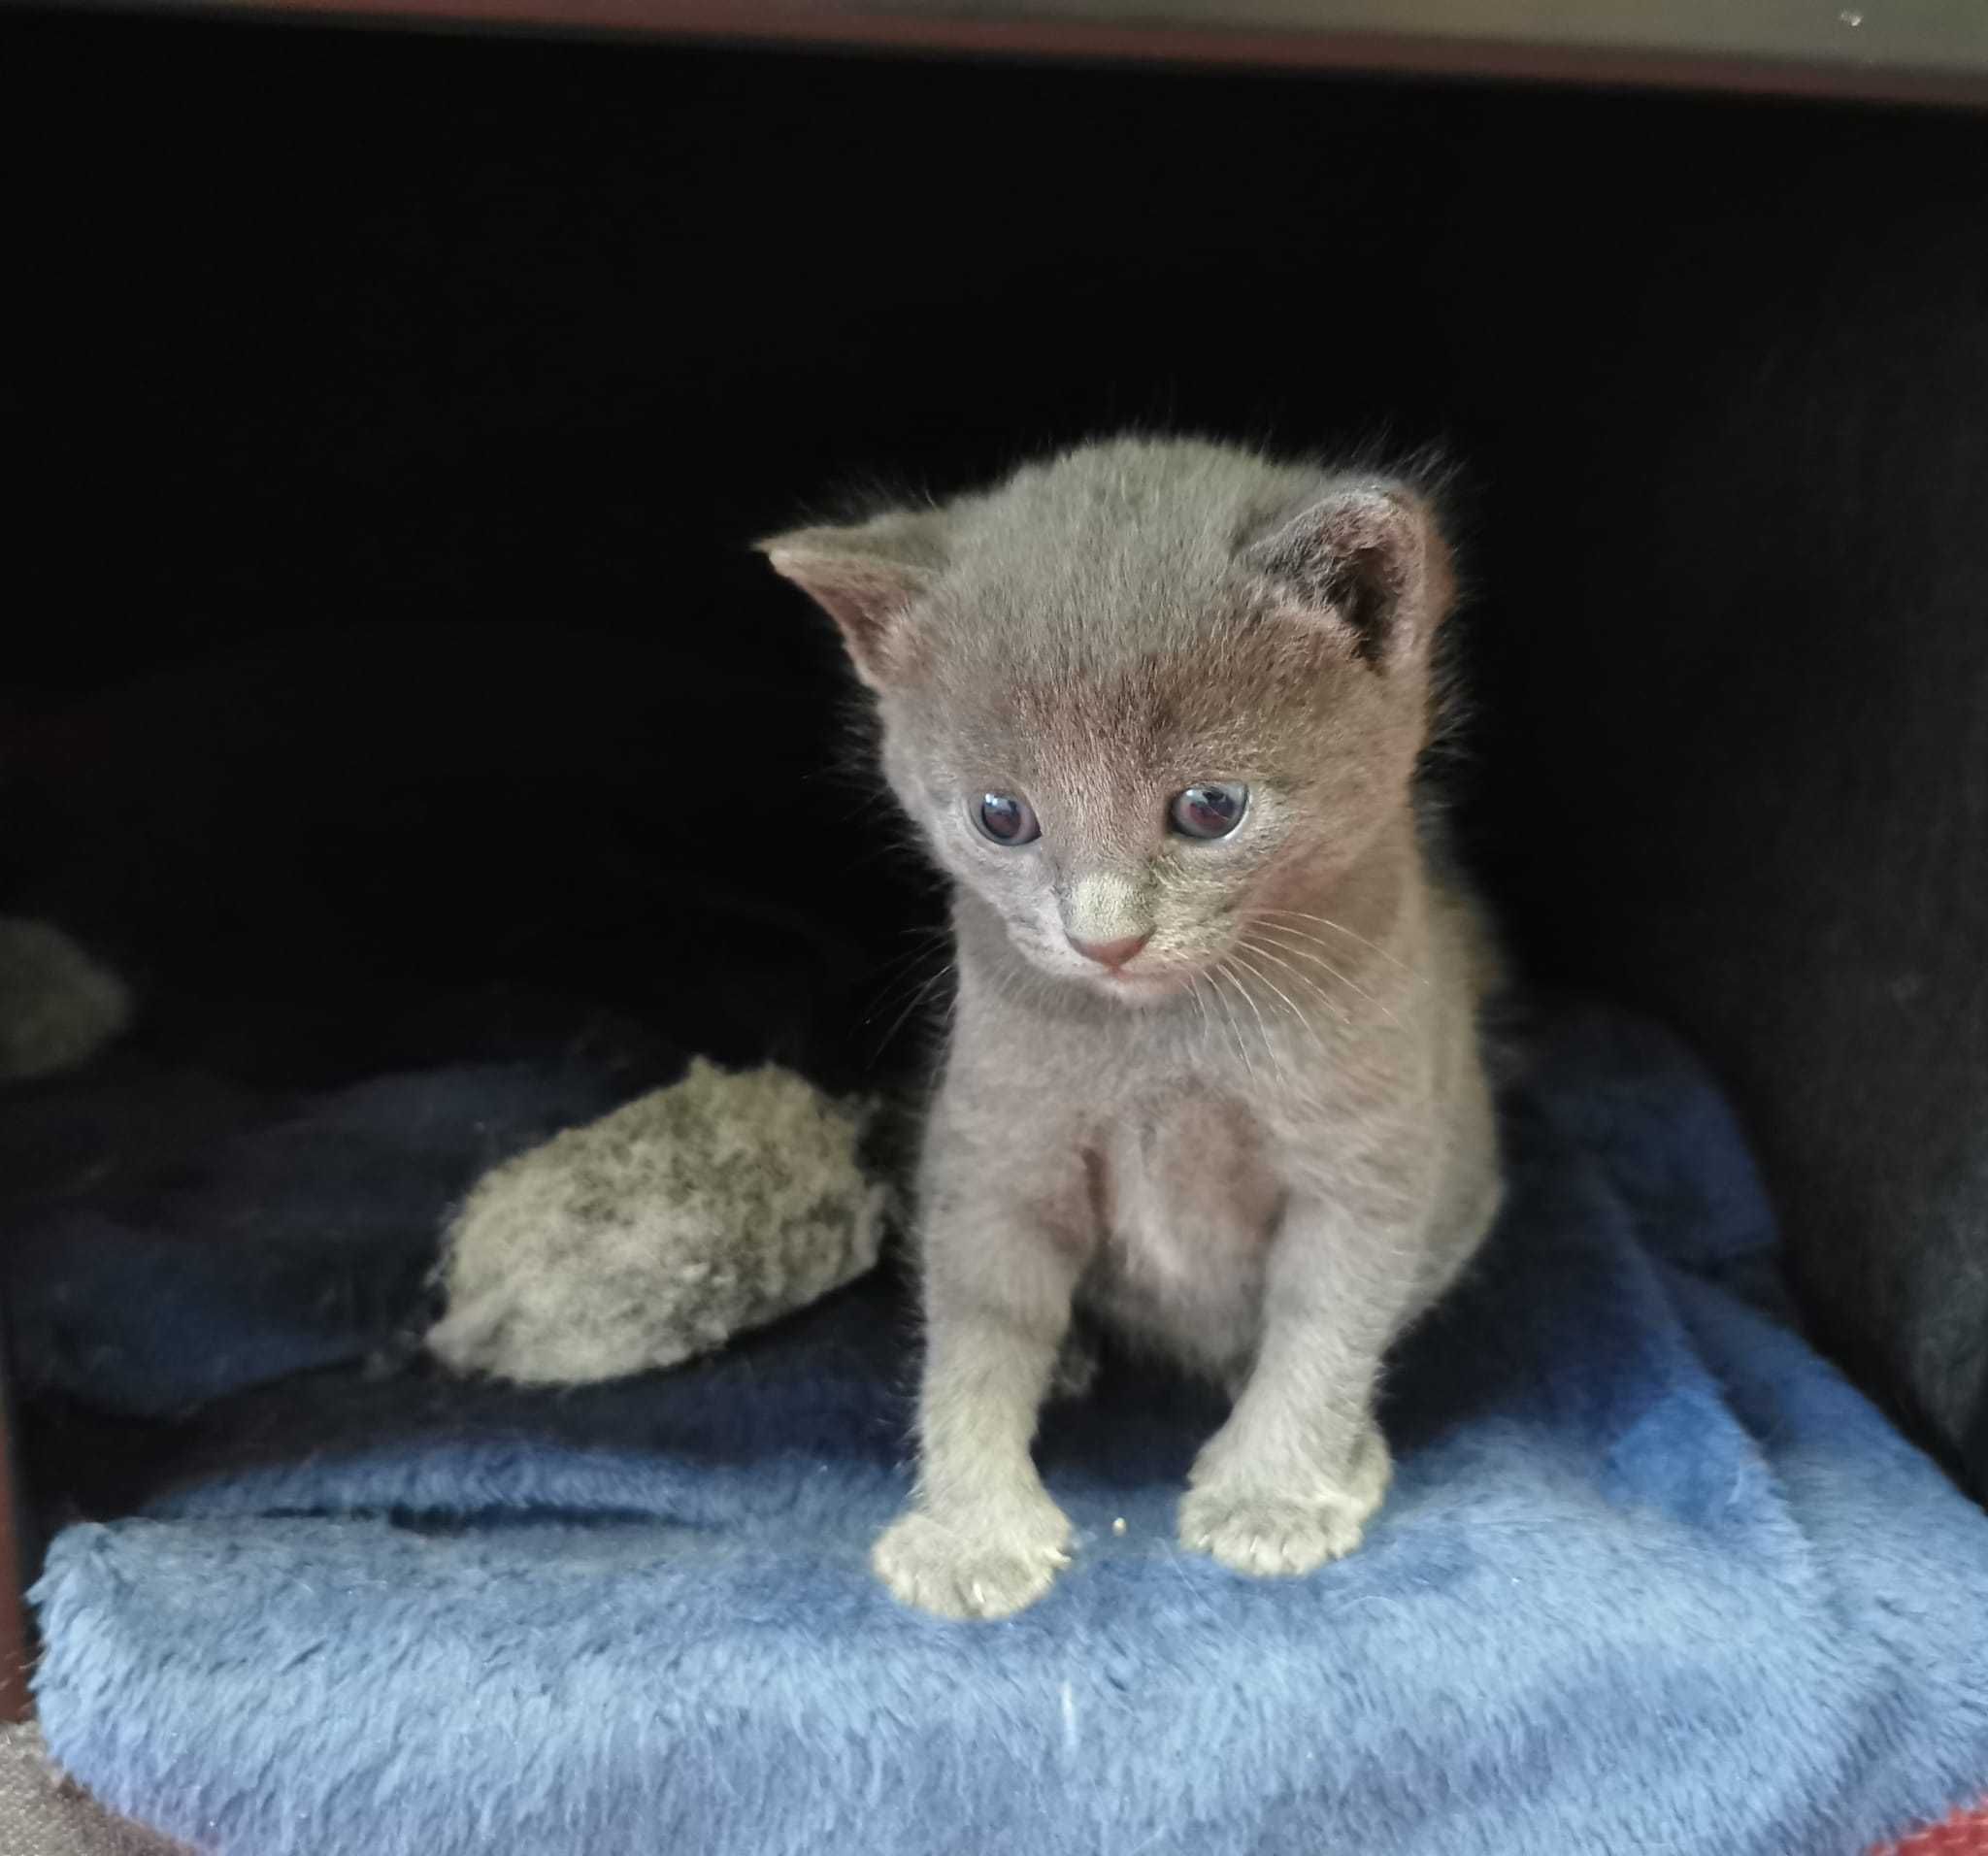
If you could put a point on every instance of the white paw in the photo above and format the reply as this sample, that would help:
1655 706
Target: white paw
1270 1536
973 1565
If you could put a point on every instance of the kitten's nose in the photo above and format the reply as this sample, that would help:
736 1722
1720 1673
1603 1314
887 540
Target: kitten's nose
1110 953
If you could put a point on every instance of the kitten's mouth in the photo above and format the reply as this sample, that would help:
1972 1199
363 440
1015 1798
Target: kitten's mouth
1134 985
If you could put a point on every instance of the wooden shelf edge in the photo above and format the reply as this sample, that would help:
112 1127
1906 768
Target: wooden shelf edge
1070 35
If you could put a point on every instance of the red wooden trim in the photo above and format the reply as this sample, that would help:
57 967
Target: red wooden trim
783 22
1963 1833
14 1651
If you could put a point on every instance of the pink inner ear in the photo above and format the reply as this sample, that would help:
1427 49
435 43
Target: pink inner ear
867 597
1358 556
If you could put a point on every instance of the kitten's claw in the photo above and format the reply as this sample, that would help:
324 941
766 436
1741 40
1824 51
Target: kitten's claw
1271 1536
1264 1538
976 1566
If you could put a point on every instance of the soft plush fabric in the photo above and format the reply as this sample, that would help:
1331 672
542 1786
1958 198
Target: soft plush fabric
693 1213
258 1238
57 1005
1651 1578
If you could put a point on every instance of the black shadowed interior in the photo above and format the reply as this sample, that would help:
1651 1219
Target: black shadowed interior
387 675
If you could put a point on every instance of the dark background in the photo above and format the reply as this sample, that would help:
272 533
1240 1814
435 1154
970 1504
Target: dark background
388 416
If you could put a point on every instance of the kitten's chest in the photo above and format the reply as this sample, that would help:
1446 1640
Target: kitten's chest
1184 1202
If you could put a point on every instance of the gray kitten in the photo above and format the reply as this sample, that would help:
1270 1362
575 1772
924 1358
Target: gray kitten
1214 1070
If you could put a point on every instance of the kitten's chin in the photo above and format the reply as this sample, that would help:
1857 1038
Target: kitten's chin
1136 990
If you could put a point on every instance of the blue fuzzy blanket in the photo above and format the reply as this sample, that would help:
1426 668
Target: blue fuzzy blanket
1651 1578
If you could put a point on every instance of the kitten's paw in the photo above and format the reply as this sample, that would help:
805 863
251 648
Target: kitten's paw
1276 1536
973 1565
1266 1537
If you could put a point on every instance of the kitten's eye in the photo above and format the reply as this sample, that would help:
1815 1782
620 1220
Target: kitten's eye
1213 809
1006 819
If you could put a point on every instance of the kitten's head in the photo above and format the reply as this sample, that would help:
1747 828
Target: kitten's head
1143 693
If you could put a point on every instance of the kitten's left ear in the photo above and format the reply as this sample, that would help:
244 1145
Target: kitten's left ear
1366 561
867 577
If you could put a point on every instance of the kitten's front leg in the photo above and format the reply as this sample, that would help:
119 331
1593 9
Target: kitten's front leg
1290 1481
981 1537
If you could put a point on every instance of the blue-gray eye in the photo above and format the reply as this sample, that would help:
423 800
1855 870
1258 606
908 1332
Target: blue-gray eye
1212 810
1006 819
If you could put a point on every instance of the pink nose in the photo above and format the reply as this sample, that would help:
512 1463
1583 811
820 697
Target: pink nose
1110 953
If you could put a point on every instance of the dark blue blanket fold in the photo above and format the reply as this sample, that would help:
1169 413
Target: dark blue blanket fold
297 1233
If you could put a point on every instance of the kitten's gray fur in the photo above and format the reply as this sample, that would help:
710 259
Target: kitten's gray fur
1268 1143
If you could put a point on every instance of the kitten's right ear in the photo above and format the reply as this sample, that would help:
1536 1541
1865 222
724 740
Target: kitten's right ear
867 577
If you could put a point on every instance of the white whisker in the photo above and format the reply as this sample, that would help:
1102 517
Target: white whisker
918 998
1207 1023
1344 979
1338 927
1250 968
1215 977
1270 1048
1300 952
1304 979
